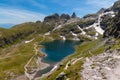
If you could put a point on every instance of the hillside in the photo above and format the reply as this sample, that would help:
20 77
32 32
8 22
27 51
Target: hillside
99 52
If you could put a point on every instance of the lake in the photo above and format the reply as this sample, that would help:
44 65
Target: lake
56 51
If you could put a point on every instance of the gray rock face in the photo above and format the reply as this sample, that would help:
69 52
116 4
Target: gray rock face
65 16
102 10
114 28
54 18
73 15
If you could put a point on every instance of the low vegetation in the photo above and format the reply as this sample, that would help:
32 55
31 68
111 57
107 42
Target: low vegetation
13 58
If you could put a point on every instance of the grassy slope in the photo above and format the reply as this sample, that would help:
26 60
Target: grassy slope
21 31
13 58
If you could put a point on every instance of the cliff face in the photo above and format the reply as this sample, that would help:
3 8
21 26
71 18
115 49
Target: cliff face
114 28
59 19
52 18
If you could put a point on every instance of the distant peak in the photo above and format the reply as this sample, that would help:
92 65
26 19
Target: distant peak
73 15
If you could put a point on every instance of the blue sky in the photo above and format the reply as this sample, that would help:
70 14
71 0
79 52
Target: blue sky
19 11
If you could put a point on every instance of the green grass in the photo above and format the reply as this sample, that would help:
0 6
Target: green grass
19 54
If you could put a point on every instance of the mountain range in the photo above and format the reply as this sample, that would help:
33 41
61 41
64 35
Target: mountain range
99 32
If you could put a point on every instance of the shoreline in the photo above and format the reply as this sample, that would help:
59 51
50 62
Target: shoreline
45 65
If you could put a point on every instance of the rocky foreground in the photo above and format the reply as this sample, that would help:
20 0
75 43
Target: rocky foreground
104 66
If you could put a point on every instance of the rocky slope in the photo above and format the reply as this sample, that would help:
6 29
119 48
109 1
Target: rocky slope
114 27
102 67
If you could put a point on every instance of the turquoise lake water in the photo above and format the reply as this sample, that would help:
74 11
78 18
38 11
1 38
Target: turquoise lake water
56 51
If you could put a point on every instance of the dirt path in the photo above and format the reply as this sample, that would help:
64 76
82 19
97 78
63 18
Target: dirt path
40 65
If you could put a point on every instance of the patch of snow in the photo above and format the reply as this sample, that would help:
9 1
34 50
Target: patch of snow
74 34
29 41
63 37
58 27
97 25
83 32
46 34
113 15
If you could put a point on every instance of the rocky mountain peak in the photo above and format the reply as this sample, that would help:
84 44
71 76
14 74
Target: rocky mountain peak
73 15
102 10
65 16
54 17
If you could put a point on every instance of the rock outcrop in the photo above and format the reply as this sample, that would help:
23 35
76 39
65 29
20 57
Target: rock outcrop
102 67
73 15
102 10
65 16
52 18
114 28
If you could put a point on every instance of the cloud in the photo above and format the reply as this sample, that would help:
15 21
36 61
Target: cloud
37 4
100 3
16 16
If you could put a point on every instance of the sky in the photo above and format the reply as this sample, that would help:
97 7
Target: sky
20 11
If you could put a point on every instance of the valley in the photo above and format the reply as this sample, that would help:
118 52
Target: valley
63 47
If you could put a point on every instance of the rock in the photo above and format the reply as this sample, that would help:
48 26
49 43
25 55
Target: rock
73 15
113 29
97 67
102 10
65 16
52 18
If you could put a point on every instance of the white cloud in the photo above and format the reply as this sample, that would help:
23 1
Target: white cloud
101 3
37 4
16 16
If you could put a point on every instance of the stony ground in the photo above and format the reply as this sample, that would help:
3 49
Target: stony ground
105 66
